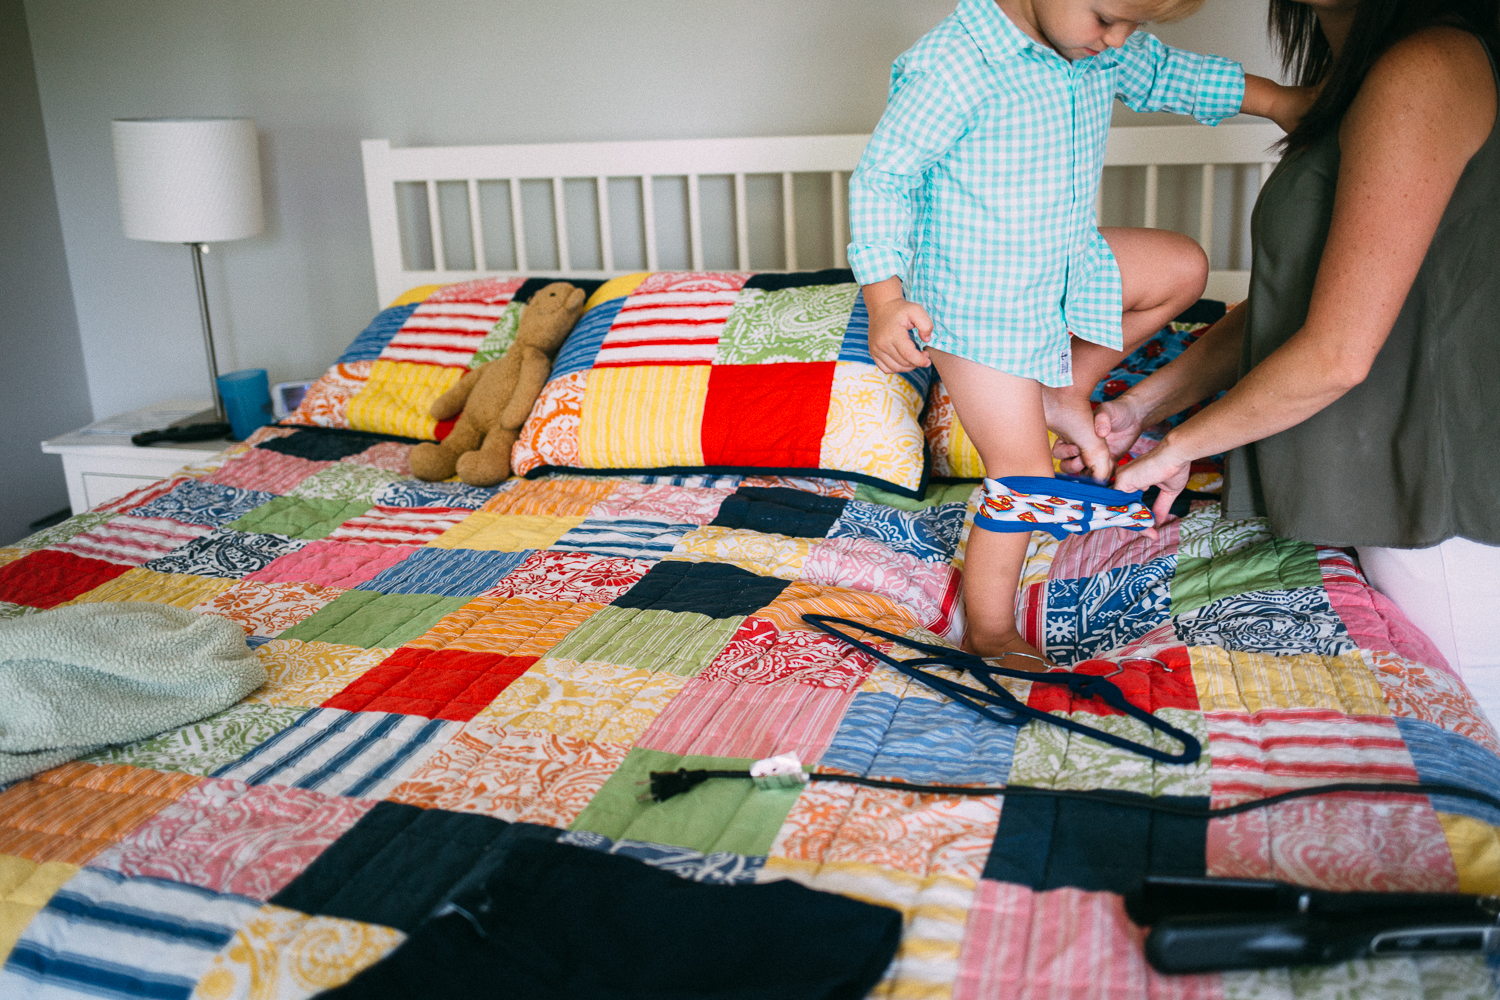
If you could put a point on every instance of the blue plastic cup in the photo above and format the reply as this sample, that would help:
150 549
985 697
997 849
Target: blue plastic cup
247 400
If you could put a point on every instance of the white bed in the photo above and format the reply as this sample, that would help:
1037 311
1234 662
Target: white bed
595 210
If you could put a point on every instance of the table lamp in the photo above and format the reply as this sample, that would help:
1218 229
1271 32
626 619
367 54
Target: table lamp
193 181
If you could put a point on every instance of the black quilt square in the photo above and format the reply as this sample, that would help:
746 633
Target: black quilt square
317 444
714 589
226 553
801 279
777 510
394 866
531 286
1047 843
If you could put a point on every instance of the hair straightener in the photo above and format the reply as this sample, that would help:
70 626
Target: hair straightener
1216 924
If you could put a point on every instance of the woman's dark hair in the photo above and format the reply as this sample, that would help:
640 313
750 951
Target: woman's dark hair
1378 25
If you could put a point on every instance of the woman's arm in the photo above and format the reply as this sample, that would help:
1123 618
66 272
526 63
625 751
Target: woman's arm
1424 110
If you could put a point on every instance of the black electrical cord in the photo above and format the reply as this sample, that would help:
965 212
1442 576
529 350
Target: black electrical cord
666 784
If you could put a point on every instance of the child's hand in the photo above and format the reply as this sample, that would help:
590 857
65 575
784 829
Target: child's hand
890 342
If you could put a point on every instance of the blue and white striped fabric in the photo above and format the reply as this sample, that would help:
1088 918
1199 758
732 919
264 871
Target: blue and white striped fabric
706 481
978 186
931 534
373 338
1446 757
636 538
582 346
922 740
106 935
357 754
449 572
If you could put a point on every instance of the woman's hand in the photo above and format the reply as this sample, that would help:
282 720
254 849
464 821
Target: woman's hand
1118 422
1161 466
890 340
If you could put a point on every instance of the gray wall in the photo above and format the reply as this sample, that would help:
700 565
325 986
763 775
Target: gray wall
42 387
320 75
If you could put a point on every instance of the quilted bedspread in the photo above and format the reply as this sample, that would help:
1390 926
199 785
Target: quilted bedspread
444 658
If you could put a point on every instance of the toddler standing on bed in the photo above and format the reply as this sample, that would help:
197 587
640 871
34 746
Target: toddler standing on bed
972 222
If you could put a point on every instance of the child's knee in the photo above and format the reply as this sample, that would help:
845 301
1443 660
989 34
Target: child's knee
1190 268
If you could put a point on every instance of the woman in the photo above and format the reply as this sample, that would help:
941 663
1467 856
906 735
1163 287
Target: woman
1363 369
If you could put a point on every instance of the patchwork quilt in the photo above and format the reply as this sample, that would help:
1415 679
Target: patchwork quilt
453 666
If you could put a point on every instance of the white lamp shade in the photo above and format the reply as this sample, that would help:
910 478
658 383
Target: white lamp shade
188 180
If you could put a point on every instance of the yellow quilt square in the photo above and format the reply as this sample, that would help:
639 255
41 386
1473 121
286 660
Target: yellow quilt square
643 417
598 702
25 887
505 532
1234 681
180 590
1475 846
551 497
759 553
396 398
509 626
309 673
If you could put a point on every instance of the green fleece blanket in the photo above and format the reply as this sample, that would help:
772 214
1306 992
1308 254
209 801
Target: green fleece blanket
77 678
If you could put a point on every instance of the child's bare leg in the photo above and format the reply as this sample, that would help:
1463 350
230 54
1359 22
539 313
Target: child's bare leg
1161 274
1002 415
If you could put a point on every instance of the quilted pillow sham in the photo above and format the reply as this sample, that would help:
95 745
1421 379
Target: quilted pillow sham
666 373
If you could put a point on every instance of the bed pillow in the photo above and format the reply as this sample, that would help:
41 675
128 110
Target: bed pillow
671 372
678 373
955 458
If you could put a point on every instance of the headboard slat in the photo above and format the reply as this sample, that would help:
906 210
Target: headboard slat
691 159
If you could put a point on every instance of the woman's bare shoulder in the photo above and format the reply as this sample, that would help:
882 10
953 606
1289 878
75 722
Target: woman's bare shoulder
1434 81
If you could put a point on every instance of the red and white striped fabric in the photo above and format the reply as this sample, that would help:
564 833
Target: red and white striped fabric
399 525
132 541
1276 750
141 495
448 327
674 321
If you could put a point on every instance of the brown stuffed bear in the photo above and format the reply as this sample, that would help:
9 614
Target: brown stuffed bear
496 398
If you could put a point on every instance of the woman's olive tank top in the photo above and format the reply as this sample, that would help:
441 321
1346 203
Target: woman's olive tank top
1411 456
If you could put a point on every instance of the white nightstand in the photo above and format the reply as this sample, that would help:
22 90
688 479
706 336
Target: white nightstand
100 463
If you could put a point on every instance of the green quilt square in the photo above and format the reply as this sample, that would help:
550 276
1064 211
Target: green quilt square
789 324
500 337
722 814
9 610
937 493
1275 564
299 517
1049 756
373 620
348 482
672 642
206 745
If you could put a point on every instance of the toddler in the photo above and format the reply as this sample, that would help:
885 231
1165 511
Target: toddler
972 223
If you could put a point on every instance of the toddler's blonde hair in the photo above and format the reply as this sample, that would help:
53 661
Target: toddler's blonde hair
1171 10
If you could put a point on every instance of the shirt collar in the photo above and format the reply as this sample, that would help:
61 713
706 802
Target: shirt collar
997 37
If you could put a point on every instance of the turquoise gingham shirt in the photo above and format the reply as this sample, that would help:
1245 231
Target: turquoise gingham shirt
978 186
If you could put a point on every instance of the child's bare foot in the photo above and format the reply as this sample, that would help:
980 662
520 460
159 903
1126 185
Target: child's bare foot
997 644
1071 418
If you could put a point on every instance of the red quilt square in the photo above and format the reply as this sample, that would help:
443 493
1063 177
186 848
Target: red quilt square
449 684
768 416
1146 685
45 579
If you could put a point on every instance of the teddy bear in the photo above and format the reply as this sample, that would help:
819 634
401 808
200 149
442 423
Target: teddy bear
496 398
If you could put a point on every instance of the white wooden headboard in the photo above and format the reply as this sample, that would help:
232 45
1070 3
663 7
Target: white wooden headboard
453 213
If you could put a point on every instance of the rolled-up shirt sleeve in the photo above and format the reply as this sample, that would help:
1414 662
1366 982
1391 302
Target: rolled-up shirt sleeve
1156 77
921 123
